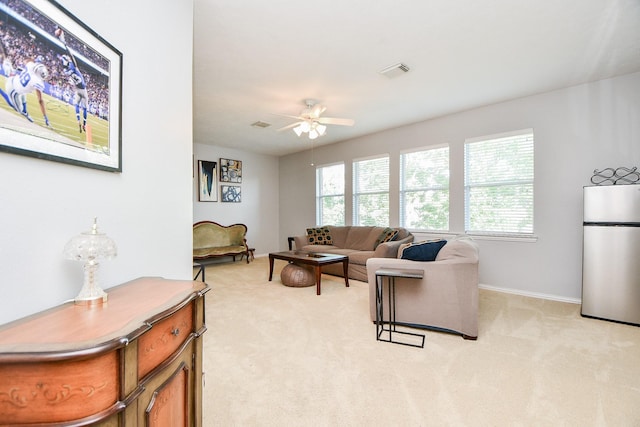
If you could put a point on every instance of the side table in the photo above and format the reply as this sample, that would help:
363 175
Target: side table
200 270
392 274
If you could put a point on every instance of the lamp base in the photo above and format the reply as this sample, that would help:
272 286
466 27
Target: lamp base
91 293
91 301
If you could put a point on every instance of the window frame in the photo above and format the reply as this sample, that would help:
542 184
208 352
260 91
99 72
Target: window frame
500 235
320 197
356 194
402 190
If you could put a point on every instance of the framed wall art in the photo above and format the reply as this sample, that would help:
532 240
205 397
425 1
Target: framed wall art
230 171
61 87
207 185
231 193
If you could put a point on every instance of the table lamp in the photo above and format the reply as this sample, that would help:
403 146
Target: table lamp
90 246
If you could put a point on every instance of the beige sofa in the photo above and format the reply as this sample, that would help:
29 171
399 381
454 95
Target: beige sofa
359 244
447 296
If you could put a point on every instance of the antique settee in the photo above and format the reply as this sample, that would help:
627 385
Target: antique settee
211 240
446 298
359 243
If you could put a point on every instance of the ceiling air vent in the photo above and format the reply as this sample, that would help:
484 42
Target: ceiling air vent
395 70
260 124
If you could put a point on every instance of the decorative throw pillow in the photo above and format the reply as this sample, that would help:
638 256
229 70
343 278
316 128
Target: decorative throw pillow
387 235
319 236
423 251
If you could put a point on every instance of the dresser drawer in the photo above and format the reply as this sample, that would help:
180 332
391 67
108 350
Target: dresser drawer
163 339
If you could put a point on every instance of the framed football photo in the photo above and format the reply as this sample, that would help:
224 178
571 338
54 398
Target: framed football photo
61 87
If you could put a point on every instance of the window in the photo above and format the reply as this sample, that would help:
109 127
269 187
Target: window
498 179
371 192
424 189
330 195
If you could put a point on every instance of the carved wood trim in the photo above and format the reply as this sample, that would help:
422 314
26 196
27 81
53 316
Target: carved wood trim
58 391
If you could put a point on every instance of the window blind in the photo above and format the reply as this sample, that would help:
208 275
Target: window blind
499 178
424 189
371 192
330 195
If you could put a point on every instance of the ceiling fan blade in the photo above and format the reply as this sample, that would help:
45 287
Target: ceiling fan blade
292 125
317 110
335 121
289 116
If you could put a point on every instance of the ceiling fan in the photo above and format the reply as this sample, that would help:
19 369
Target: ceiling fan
310 121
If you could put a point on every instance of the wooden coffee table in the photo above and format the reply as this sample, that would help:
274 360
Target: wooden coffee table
313 259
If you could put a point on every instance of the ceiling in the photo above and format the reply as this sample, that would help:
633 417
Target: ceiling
255 59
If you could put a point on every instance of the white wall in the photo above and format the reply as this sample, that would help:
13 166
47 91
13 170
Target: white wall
259 207
147 208
576 130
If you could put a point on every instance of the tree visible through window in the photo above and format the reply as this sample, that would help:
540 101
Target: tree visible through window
424 189
330 195
371 192
499 184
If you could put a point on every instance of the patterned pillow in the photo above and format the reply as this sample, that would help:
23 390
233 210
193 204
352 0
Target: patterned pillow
387 235
319 236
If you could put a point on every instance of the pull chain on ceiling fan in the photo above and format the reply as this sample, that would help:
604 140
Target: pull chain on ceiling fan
310 122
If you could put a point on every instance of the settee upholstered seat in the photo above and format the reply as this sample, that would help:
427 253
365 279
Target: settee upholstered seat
211 240
446 298
359 243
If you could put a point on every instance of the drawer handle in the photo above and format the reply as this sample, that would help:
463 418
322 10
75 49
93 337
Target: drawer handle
175 332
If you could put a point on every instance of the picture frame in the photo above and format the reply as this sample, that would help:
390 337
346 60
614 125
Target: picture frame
207 185
69 65
231 193
230 170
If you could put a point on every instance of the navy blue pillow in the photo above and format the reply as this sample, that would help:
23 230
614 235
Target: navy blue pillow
423 251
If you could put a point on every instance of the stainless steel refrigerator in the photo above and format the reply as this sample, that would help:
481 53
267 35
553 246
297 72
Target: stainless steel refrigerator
611 253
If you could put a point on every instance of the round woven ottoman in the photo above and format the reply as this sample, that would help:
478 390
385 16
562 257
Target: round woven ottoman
297 276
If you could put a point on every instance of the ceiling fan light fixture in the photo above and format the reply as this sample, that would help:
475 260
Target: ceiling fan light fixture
305 126
311 122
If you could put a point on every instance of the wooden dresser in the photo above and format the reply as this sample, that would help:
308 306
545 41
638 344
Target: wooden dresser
135 360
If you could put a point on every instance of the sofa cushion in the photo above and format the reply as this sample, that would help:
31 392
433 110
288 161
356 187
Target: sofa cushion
422 251
362 238
218 251
360 257
387 235
339 234
319 236
319 248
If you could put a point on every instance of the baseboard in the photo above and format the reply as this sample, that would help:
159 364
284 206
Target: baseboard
531 294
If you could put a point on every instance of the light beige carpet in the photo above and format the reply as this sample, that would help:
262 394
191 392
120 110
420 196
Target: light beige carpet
280 356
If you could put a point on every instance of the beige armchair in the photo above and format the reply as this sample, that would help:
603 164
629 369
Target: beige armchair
446 298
